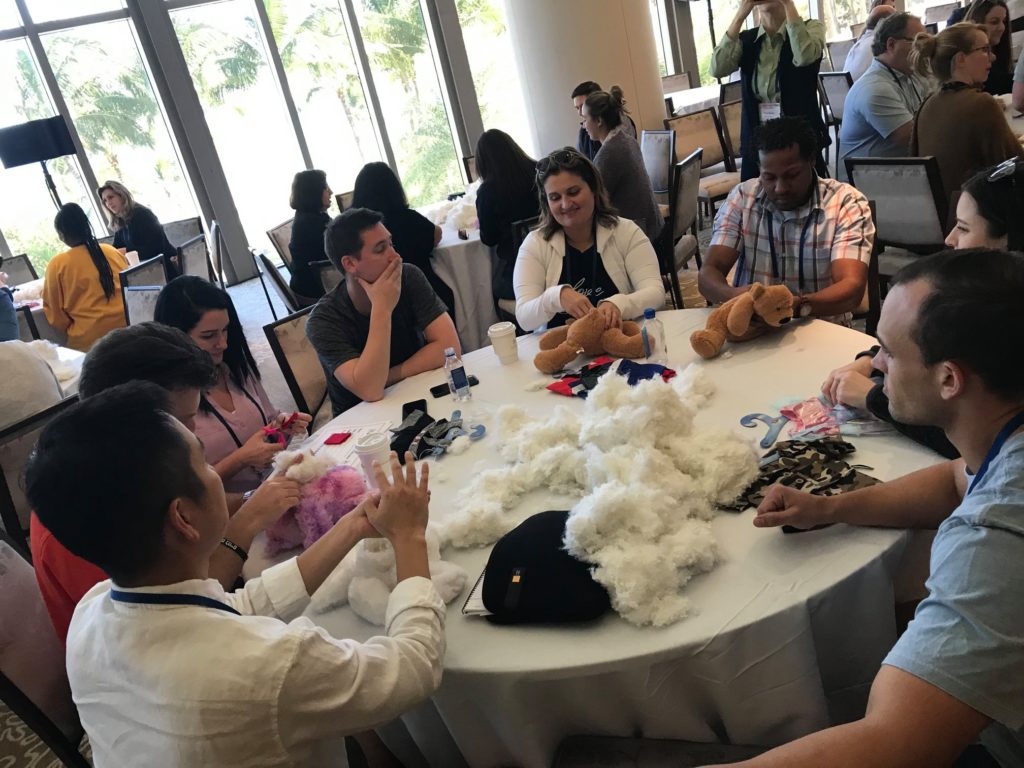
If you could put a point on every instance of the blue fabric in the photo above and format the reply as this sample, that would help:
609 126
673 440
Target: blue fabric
8 317
967 637
635 372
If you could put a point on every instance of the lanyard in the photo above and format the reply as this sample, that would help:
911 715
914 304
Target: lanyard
899 83
997 445
803 241
170 599
224 421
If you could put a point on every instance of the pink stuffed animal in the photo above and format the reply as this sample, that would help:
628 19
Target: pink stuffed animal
325 500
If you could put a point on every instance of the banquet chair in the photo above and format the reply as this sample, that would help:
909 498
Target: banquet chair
731 115
195 258
702 130
732 91
281 236
183 229
658 150
139 302
33 680
217 254
19 269
330 278
106 240
685 208
469 165
620 752
148 272
268 271
675 83
27 328
520 229
870 307
16 443
856 30
837 53
938 14
344 201
834 88
298 360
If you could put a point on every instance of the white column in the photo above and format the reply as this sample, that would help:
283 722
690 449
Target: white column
560 43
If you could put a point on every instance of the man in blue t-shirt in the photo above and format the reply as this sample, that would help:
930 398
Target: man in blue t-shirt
958 670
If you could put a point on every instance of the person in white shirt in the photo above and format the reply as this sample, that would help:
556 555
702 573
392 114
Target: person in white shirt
168 669
860 55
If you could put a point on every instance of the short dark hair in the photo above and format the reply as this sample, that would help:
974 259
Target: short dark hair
308 191
1000 203
379 189
150 352
344 235
585 88
784 132
893 25
115 520
974 292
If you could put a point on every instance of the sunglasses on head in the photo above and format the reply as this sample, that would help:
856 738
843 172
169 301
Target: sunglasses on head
560 158
1006 169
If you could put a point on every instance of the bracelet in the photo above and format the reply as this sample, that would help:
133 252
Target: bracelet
235 548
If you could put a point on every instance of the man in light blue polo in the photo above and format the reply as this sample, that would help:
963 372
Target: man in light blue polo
879 114
957 673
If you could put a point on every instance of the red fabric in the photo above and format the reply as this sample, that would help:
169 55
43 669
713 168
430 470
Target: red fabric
63 578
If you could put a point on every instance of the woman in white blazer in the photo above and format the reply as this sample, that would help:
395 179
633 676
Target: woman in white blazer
582 258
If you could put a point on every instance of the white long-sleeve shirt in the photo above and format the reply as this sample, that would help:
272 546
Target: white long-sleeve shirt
183 685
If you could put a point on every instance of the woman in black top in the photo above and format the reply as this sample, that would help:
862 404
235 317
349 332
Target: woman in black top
994 16
311 197
508 194
412 234
136 228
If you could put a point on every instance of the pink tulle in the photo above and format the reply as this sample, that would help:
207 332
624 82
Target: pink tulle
324 502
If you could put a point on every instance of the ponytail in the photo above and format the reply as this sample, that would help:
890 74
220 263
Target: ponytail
607 107
73 227
934 54
102 266
925 46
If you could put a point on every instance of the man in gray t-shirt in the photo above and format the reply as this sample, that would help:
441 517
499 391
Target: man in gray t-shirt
878 115
957 673
383 323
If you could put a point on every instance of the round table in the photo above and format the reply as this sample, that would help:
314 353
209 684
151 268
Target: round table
786 634
465 266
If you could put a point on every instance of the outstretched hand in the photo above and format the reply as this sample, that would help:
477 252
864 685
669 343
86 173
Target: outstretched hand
786 506
403 509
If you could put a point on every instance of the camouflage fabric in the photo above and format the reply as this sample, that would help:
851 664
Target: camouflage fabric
816 466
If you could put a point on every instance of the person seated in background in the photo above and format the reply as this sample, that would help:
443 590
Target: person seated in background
583 257
585 145
414 235
963 127
168 668
779 62
233 412
620 162
793 228
878 116
987 216
310 199
136 228
955 673
994 16
82 290
860 56
508 193
9 330
166 357
384 323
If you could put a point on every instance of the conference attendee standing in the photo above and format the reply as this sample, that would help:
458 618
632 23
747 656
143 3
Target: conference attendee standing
310 199
878 118
82 290
620 162
779 62
136 228
961 125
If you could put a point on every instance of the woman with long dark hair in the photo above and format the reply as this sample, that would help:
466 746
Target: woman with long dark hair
508 194
136 228
82 290
412 234
310 199
994 16
234 412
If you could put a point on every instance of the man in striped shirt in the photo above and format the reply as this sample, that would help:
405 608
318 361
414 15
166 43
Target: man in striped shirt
791 227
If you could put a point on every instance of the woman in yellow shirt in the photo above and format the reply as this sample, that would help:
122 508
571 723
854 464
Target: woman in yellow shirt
82 290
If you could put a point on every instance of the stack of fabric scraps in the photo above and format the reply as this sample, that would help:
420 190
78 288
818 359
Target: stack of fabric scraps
647 482
579 383
817 467
422 436
815 417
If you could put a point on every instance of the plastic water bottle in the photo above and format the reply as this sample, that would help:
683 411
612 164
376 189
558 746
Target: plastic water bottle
653 334
458 383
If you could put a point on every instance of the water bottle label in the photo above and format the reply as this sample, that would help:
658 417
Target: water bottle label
459 378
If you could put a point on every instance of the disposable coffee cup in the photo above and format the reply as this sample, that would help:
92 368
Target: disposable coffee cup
370 448
503 339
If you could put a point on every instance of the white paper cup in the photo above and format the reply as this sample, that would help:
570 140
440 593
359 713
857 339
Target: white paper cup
370 448
503 339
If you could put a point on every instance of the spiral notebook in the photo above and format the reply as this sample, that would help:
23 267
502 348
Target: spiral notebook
474 605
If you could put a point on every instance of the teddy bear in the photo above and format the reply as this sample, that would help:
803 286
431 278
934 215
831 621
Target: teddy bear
731 321
560 346
328 493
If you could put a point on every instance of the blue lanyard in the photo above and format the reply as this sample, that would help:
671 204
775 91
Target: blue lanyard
149 598
997 445
803 241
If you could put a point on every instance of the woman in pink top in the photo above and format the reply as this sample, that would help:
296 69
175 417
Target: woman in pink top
231 415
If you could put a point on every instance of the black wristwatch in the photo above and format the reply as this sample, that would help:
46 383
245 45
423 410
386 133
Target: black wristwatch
801 306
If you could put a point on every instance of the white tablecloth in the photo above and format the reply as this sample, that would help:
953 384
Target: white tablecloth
1015 119
465 266
787 634
695 99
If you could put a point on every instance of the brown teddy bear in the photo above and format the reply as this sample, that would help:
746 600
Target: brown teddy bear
560 346
731 321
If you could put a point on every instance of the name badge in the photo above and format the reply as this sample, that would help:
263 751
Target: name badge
770 110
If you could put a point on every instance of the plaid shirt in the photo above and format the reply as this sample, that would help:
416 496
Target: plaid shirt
834 224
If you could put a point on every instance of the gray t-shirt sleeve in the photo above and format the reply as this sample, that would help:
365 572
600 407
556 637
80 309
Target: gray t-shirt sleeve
332 335
426 306
967 637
